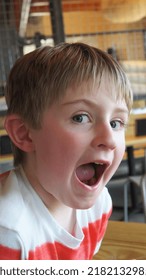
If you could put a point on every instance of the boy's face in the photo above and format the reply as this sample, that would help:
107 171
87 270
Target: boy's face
79 147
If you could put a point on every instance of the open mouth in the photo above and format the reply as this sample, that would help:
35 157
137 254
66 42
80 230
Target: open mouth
90 173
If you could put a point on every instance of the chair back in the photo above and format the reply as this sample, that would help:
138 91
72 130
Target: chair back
143 189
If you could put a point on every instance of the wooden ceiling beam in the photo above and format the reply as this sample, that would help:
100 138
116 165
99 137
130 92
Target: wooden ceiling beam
42 7
33 8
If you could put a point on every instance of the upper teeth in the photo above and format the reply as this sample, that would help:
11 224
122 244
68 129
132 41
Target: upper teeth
98 163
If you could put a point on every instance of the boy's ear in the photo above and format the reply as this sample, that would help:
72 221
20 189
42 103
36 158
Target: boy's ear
19 133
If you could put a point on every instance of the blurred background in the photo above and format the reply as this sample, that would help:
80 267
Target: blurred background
117 27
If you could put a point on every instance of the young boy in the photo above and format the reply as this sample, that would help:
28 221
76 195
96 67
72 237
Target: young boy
68 106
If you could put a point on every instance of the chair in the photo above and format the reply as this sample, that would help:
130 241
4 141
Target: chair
124 183
143 189
140 181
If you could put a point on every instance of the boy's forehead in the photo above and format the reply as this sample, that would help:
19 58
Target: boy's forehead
90 87
103 83
78 91
93 91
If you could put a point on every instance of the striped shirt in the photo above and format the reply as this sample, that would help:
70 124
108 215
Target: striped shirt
28 231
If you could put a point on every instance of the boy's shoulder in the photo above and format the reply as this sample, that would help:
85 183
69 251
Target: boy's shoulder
11 199
8 184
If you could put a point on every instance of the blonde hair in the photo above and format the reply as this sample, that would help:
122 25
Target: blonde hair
41 78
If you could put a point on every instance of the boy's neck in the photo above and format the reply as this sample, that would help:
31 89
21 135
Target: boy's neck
64 215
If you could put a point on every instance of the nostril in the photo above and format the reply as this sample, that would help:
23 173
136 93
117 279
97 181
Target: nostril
108 145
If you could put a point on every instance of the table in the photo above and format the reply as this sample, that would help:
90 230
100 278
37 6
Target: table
123 241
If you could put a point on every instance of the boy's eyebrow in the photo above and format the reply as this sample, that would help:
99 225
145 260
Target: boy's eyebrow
77 101
90 103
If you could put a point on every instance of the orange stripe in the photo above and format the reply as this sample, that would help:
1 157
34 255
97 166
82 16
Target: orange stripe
2 175
53 251
9 254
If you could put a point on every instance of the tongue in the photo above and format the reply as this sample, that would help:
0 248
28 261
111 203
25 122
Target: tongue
85 172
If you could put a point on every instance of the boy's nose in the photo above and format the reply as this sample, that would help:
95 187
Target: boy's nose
104 137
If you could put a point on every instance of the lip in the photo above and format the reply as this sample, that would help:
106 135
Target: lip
96 163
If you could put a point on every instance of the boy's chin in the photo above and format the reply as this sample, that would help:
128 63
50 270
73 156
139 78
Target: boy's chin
84 205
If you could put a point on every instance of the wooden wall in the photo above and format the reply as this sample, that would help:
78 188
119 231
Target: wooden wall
93 28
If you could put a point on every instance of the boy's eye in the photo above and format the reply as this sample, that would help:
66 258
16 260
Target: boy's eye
81 118
117 124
